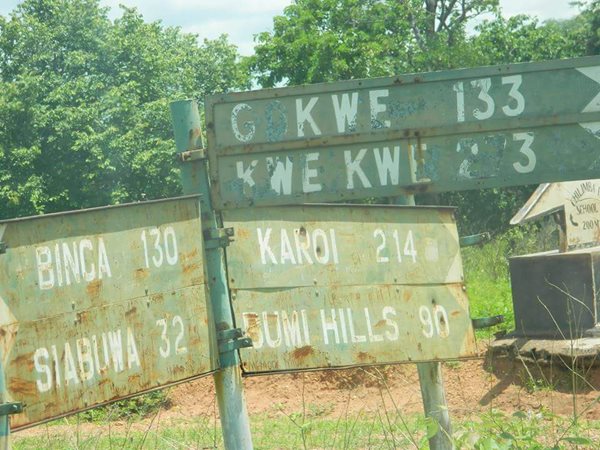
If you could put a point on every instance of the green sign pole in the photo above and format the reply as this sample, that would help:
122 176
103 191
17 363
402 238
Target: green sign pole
228 381
4 421
432 385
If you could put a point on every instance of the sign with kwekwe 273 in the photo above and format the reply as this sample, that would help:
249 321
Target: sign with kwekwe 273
464 129
333 286
101 304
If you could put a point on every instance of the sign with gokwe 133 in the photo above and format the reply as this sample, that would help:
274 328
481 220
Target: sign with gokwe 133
444 131
320 286
98 305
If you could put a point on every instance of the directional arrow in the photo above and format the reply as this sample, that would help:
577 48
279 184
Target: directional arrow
593 73
593 128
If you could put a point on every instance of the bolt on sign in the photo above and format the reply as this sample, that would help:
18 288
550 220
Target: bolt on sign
333 286
463 129
101 304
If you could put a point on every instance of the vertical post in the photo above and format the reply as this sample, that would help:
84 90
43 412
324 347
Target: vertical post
4 420
228 381
432 385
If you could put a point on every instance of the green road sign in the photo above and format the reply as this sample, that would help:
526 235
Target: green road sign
101 304
464 129
332 286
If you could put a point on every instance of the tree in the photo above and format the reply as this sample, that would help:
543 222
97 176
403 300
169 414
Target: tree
324 40
84 116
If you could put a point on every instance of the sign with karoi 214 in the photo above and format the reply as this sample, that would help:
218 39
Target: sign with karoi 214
98 305
462 129
332 286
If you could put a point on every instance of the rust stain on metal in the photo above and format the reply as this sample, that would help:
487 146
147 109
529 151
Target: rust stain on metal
302 352
140 274
21 387
93 288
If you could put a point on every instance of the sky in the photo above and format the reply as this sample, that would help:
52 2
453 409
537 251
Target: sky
241 20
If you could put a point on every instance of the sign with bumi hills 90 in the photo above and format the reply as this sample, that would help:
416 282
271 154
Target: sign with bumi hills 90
98 305
463 129
319 286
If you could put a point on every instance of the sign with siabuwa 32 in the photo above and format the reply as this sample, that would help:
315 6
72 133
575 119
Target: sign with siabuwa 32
97 305
320 286
463 129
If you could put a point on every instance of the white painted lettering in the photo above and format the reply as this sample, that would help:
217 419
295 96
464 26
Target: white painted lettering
40 361
103 265
132 354
70 370
116 350
287 254
302 247
71 263
308 174
43 258
329 324
249 127
273 343
85 358
345 111
388 166
281 175
245 174
378 108
265 250
320 246
355 338
394 334
88 275
353 167
372 336
303 114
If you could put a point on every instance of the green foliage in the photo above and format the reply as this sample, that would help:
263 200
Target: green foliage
315 41
486 270
133 408
490 430
84 117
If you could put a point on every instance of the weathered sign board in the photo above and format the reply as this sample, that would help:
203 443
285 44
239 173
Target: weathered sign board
463 129
101 304
580 202
336 285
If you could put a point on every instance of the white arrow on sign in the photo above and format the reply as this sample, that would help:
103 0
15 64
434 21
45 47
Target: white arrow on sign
593 106
593 73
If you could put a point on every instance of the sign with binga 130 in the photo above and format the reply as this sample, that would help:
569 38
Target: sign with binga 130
97 305
463 129
320 286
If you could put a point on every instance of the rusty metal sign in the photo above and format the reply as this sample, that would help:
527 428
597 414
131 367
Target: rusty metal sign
333 286
464 129
101 304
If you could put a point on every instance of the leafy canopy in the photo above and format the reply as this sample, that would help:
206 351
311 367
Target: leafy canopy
84 116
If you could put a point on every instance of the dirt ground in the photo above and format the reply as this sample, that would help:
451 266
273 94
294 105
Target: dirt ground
471 386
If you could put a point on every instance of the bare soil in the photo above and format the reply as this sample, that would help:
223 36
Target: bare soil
471 386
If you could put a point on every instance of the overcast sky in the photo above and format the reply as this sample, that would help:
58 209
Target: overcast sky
241 20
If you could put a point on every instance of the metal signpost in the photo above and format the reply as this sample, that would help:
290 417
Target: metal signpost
444 131
98 305
337 285
235 424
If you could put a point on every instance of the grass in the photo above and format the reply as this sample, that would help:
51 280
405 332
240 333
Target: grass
384 430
